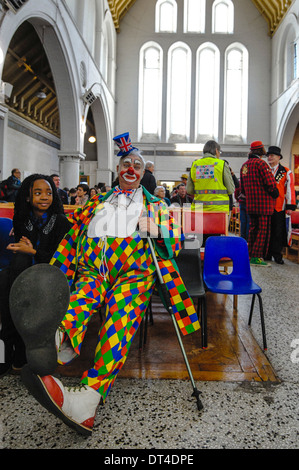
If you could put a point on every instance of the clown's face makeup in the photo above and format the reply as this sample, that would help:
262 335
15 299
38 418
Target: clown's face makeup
130 172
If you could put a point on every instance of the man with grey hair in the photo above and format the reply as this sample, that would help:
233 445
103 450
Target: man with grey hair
149 181
108 263
210 180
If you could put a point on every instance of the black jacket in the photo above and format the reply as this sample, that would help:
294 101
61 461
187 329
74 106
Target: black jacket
181 201
63 196
149 181
44 238
12 187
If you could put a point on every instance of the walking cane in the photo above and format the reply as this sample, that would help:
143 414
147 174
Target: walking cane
166 297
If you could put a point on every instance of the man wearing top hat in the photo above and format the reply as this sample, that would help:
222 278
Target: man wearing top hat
259 187
108 263
284 204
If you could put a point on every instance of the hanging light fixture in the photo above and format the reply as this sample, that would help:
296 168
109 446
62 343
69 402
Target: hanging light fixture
41 94
92 139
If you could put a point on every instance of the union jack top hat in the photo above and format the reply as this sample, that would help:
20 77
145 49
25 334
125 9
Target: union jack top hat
124 143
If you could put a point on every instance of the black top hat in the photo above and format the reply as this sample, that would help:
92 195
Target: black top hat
272 150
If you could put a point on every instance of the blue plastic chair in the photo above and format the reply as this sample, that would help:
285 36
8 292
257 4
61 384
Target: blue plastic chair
239 281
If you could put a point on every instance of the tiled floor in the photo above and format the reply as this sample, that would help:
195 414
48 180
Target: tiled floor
147 413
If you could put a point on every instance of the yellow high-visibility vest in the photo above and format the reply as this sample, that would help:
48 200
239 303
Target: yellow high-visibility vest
209 189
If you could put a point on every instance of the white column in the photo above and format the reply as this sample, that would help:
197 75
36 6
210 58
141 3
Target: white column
104 176
3 132
69 168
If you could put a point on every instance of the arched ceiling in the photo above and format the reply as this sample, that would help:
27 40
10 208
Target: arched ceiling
273 11
27 69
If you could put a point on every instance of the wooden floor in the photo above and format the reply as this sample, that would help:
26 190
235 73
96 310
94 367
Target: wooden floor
232 354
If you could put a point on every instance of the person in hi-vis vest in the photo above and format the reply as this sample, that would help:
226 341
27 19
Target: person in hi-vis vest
210 180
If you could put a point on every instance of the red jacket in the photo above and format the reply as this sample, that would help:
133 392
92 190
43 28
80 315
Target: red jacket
285 184
258 185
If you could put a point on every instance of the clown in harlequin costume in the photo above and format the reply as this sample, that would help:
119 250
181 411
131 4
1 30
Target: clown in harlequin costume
284 204
108 263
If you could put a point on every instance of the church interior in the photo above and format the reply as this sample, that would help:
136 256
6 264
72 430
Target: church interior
174 74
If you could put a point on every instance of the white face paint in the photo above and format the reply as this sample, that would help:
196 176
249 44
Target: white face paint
129 178
131 171
129 175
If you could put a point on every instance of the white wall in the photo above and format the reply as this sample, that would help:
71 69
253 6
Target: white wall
29 154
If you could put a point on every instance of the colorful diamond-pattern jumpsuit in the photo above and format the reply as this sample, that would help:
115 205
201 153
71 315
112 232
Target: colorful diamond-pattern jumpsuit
118 273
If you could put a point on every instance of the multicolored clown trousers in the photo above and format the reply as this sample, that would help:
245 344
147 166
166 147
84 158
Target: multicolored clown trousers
120 274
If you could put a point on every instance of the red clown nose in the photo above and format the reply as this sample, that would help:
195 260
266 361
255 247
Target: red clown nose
131 171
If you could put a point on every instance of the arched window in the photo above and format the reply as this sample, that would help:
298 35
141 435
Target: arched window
290 57
150 91
178 92
223 17
194 16
236 93
287 66
207 92
166 16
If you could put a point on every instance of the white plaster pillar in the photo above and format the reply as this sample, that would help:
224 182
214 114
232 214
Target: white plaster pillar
104 176
3 133
69 168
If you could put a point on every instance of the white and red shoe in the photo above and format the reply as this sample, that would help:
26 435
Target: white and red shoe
75 406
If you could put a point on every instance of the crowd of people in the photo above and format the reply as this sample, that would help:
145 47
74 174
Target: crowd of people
84 245
264 194
82 193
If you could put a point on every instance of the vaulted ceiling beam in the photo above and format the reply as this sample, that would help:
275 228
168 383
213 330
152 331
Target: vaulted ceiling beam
118 10
273 11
